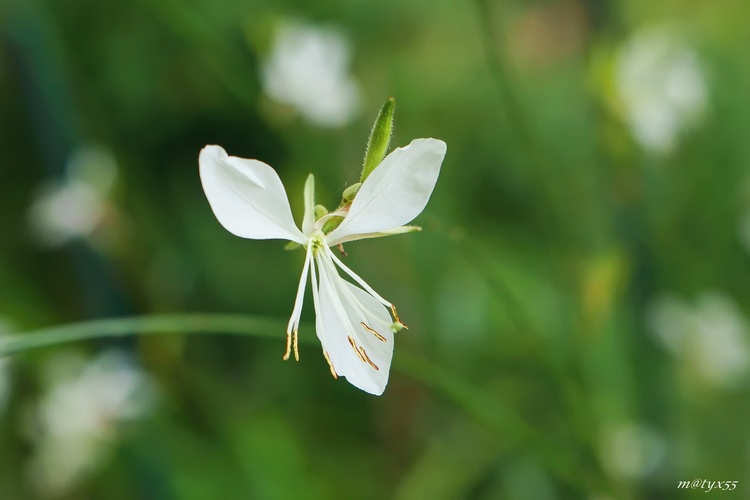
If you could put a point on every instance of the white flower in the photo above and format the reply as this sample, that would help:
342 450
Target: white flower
308 69
633 450
78 419
75 206
662 87
352 323
711 336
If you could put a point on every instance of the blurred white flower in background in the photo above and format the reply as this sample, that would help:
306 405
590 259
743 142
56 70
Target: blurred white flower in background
308 69
75 206
632 450
711 336
78 420
661 86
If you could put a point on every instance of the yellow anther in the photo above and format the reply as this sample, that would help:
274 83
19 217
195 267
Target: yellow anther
364 353
294 343
330 365
379 337
354 346
288 346
395 315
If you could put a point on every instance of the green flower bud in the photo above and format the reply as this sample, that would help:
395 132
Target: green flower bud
320 211
380 138
351 192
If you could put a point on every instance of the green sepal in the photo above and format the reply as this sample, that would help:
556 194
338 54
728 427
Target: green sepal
380 138
292 245
332 224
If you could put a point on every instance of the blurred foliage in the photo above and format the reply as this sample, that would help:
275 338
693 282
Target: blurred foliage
533 368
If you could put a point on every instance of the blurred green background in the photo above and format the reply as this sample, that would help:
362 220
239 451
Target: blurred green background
578 299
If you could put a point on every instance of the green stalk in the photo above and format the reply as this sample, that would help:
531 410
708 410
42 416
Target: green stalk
484 408
234 324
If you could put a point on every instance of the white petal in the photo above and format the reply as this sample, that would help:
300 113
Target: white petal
340 313
387 232
395 192
361 305
247 197
308 221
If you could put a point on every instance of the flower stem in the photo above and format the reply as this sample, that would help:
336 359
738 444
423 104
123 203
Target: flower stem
485 409
119 327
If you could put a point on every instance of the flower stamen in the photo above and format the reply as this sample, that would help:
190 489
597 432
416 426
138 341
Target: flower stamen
398 320
288 346
359 280
294 343
364 353
330 365
317 243
379 337
291 344
354 346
